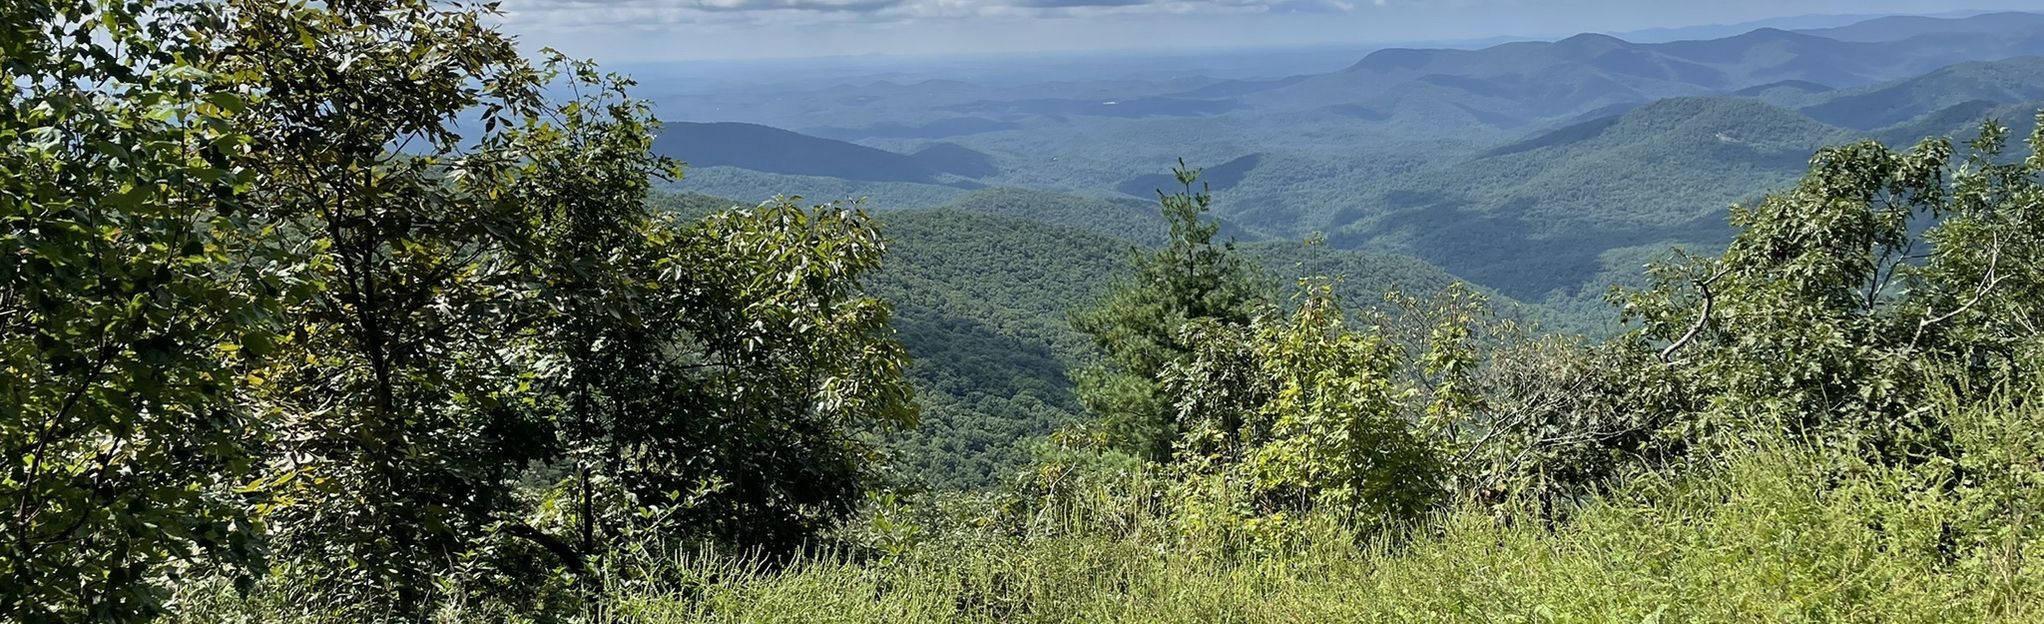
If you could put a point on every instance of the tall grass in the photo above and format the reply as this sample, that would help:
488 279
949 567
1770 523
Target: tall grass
1785 533
1781 533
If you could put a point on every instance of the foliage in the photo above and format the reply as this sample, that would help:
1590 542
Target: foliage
327 311
981 303
1558 419
981 307
1309 413
264 300
1780 532
392 436
790 366
139 296
1818 318
1139 327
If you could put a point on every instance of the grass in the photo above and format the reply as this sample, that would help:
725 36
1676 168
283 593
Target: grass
1761 541
1785 533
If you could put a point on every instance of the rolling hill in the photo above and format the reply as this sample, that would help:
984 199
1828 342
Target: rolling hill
1962 121
1121 218
1542 169
773 150
1219 177
934 129
1901 27
1537 216
982 302
2010 81
1521 83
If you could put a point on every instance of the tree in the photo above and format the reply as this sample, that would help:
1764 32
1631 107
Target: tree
1139 325
400 423
1821 317
502 306
139 296
782 365
719 384
335 283
1308 413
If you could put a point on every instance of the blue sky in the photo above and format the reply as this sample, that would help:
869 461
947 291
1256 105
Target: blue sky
661 30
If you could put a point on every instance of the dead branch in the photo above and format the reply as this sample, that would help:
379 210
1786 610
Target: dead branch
1702 318
1988 281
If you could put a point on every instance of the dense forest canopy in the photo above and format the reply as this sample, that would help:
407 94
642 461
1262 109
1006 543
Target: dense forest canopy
349 311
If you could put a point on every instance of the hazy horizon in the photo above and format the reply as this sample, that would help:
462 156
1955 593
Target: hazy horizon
642 31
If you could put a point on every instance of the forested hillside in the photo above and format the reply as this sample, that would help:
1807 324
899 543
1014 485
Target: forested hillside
1538 215
983 292
983 304
1544 169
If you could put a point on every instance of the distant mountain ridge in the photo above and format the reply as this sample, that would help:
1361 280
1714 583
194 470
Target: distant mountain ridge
1520 83
1541 169
1897 28
1535 216
773 150
2004 82
1219 177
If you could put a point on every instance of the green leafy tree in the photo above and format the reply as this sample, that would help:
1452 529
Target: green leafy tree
1558 418
1139 325
1517 416
1821 316
503 307
139 293
784 367
579 255
400 423
1310 414
332 283
724 383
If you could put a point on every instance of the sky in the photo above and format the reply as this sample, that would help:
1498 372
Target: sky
681 30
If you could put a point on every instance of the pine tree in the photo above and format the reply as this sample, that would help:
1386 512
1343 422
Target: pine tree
1138 326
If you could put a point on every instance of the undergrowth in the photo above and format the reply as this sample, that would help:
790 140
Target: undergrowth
1784 532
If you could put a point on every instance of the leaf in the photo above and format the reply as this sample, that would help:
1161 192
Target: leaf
229 102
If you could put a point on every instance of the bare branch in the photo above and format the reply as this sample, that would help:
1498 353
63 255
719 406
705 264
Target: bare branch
1988 282
1891 262
1702 317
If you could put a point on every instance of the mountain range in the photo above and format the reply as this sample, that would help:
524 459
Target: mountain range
1543 172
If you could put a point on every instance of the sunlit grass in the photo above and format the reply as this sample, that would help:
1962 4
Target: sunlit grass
1785 533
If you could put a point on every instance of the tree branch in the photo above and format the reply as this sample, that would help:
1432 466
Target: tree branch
1702 318
570 556
1988 281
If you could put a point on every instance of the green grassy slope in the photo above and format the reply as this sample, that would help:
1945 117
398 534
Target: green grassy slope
1784 536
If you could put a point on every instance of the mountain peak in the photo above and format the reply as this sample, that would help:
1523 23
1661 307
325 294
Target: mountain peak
1597 41
1777 34
1393 59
